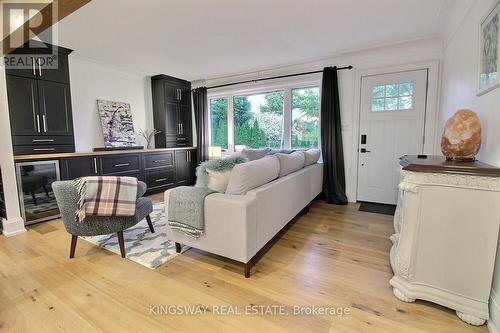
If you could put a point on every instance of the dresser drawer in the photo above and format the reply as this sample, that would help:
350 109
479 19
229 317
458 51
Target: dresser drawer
43 149
157 160
41 140
160 178
117 164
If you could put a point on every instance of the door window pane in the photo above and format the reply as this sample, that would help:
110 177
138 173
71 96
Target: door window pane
218 122
392 97
258 120
305 118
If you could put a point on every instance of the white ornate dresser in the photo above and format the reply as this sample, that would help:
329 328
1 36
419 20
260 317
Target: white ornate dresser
446 231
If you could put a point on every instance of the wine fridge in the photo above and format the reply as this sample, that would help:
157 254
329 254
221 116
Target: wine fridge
34 182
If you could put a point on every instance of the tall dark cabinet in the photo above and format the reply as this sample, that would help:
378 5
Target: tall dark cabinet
172 111
40 104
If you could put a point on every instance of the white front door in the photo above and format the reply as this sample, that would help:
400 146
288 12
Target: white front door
392 124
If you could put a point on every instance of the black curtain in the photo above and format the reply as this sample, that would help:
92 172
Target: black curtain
201 119
331 139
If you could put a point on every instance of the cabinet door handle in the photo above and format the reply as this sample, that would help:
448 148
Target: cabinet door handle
44 118
159 161
39 67
160 180
122 164
95 165
182 129
43 149
34 66
38 123
42 140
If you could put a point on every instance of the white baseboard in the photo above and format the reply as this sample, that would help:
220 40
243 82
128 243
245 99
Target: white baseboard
494 321
13 227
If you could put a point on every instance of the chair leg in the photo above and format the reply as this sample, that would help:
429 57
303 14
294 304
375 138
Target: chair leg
178 247
73 246
121 242
46 191
34 197
148 218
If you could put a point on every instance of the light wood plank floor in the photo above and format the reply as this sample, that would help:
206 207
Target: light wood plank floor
333 256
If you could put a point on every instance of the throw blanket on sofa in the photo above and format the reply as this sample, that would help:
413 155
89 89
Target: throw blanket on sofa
106 196
186 210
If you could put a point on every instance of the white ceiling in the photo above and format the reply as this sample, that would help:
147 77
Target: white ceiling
195 39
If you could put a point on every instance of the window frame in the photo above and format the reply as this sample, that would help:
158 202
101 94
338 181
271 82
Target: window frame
285 85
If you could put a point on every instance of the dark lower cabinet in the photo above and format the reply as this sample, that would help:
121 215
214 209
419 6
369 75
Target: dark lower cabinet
159 170
184 167
76 167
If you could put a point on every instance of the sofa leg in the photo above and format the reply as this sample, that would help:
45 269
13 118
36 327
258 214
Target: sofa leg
121 242
248 265
73 246
177 247
148 218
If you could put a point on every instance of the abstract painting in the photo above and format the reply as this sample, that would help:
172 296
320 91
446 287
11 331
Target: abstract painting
489 52
117 124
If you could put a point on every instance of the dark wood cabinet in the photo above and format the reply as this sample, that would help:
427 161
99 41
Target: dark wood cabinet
22 94
119 164
76 167
185 164
40 61
40 104
160 170
55 108
172 111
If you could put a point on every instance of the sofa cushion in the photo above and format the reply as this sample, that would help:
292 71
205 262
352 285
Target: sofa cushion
255 154
249 175
311 156
284 151
217 180
290 162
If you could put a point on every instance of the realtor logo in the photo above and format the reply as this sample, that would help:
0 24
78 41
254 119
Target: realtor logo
22 25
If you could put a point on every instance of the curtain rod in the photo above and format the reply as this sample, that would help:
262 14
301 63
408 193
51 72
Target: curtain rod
273 78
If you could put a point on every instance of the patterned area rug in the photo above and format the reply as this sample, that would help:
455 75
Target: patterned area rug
141 246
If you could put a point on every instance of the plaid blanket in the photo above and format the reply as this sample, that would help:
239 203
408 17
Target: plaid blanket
106 196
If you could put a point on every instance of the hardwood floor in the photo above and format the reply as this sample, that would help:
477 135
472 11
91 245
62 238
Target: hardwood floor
332 256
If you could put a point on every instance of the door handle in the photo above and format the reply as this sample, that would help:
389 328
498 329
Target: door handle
363 150
38 123
44 118
34 65
95 165
182 129
39 67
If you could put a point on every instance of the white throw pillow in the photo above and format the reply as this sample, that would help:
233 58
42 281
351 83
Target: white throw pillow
312 156
217 180
247 176
290 162
255 154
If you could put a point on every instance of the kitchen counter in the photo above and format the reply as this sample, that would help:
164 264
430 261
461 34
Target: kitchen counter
22 158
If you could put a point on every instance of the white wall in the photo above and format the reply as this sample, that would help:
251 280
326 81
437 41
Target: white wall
459 91
380 60
91 81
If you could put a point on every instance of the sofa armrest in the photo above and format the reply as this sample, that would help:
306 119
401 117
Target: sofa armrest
230 226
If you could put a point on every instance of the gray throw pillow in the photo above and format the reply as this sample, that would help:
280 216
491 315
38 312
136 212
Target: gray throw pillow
255 154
